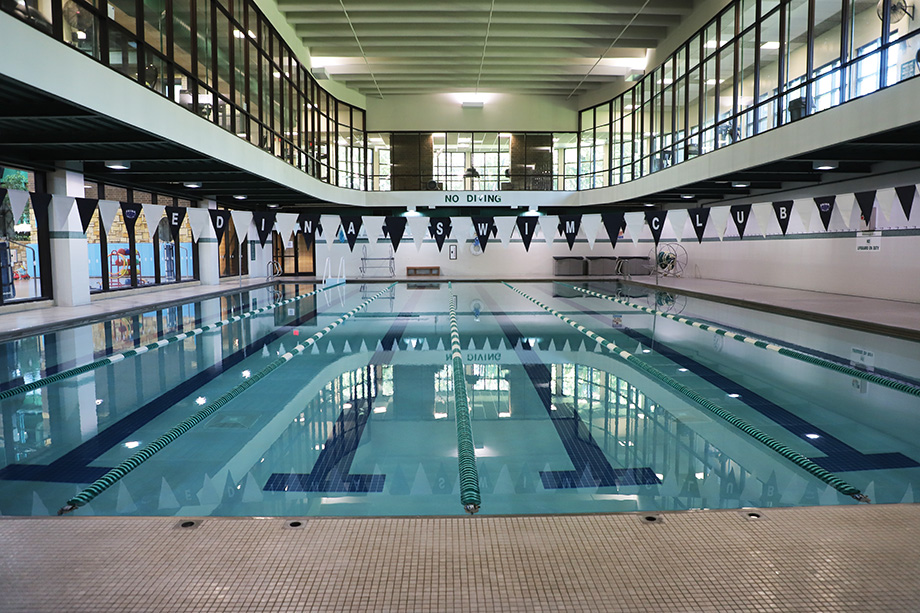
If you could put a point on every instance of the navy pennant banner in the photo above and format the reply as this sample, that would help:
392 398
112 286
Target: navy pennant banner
86 207
825 206
740 215
131 211
175 215
396 228
3 196
569 225
865 200
484 229
699 218
220 219
306 225
39 200
783 211
527 227
440 228
614 223
265 223
655 220
351 225
906 197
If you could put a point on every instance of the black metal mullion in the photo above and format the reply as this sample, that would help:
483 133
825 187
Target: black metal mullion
843 69
757 50
883 53
778 103
810 61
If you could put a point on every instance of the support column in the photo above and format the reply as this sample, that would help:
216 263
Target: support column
69 253
259 256
208 252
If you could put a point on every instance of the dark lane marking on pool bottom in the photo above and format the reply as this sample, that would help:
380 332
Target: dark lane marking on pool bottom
332 470
73 466
838 456
592 468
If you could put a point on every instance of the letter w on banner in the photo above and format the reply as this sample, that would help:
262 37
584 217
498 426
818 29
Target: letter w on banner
483 227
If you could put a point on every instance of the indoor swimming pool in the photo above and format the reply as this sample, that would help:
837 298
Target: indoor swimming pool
359 417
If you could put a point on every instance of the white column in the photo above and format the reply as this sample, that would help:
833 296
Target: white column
208 251
69 253
259 256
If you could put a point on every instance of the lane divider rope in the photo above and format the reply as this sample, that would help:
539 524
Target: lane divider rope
118 357
112 477
793 456
798 355
470 496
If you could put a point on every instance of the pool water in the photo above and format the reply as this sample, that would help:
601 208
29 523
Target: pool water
363 422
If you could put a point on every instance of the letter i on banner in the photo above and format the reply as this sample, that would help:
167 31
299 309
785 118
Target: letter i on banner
527 227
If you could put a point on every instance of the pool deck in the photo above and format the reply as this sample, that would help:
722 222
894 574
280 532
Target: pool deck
848 558
809 559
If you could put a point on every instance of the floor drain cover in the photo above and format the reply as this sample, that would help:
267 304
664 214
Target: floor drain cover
752 515
294 523
188 523
652 519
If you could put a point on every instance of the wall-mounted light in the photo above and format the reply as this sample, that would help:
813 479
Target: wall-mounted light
192 184
118 164
824 165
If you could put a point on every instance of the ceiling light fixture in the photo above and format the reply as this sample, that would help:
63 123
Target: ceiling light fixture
472 104
741 184
687 196
118 164
192 184
824 165
239 197
272 206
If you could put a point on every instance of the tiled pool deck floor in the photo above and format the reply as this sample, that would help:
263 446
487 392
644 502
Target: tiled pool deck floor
814 559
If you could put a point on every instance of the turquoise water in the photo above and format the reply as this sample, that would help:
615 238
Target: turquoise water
363 422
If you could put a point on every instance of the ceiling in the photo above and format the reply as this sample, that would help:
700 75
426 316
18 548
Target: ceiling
549 47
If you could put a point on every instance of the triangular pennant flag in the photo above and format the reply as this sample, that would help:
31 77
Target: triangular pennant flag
396 227
418 226
130 211
569 226
374 227
590 226
718 219
153 213
86 207
505 226
698 219
635 223
845 204
740 214
285 223
614 223
461 228
825 206
351 225
2 194
175 216
197 220
678 220
763 212
549 224
18 200
865 200
439 229
108 209
906 196
783 211
885 199
483 227
241 221
264 222
307 224
526 225
329 227
62 207
220 219
655 221
804 209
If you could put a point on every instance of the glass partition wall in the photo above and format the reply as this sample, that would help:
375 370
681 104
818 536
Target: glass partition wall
759 64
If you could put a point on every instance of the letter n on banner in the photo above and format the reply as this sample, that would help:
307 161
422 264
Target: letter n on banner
307 224
526 226
655 220
699 218
783 211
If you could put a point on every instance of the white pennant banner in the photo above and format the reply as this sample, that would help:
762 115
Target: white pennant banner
61 209
549 224
678 220
18 199
198 219
505 227
241 221
635 223
718 219
886 199
461 228
845 204
418 226
374 228
153 213
591 225
284 224
330 224
763 213
805 208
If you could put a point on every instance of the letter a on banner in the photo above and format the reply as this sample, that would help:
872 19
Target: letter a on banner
825 206
483 227
614 223
175 215
264 222
439 227
351 225
220 219
395 227
655 220
307 224
527 226
699 218
783 212
740 215
569 226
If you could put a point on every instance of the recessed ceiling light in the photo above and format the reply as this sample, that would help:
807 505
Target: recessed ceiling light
192 184
824 165
272 206
741 184
687 196
118 164
239 197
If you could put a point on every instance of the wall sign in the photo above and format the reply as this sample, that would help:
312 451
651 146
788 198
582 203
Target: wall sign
868 242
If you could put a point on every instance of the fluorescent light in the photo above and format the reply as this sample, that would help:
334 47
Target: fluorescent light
247 374
734 395
687 196
824 165
192 184
812 436
770 45
741 184
472 104
239 197
118 165
272 206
